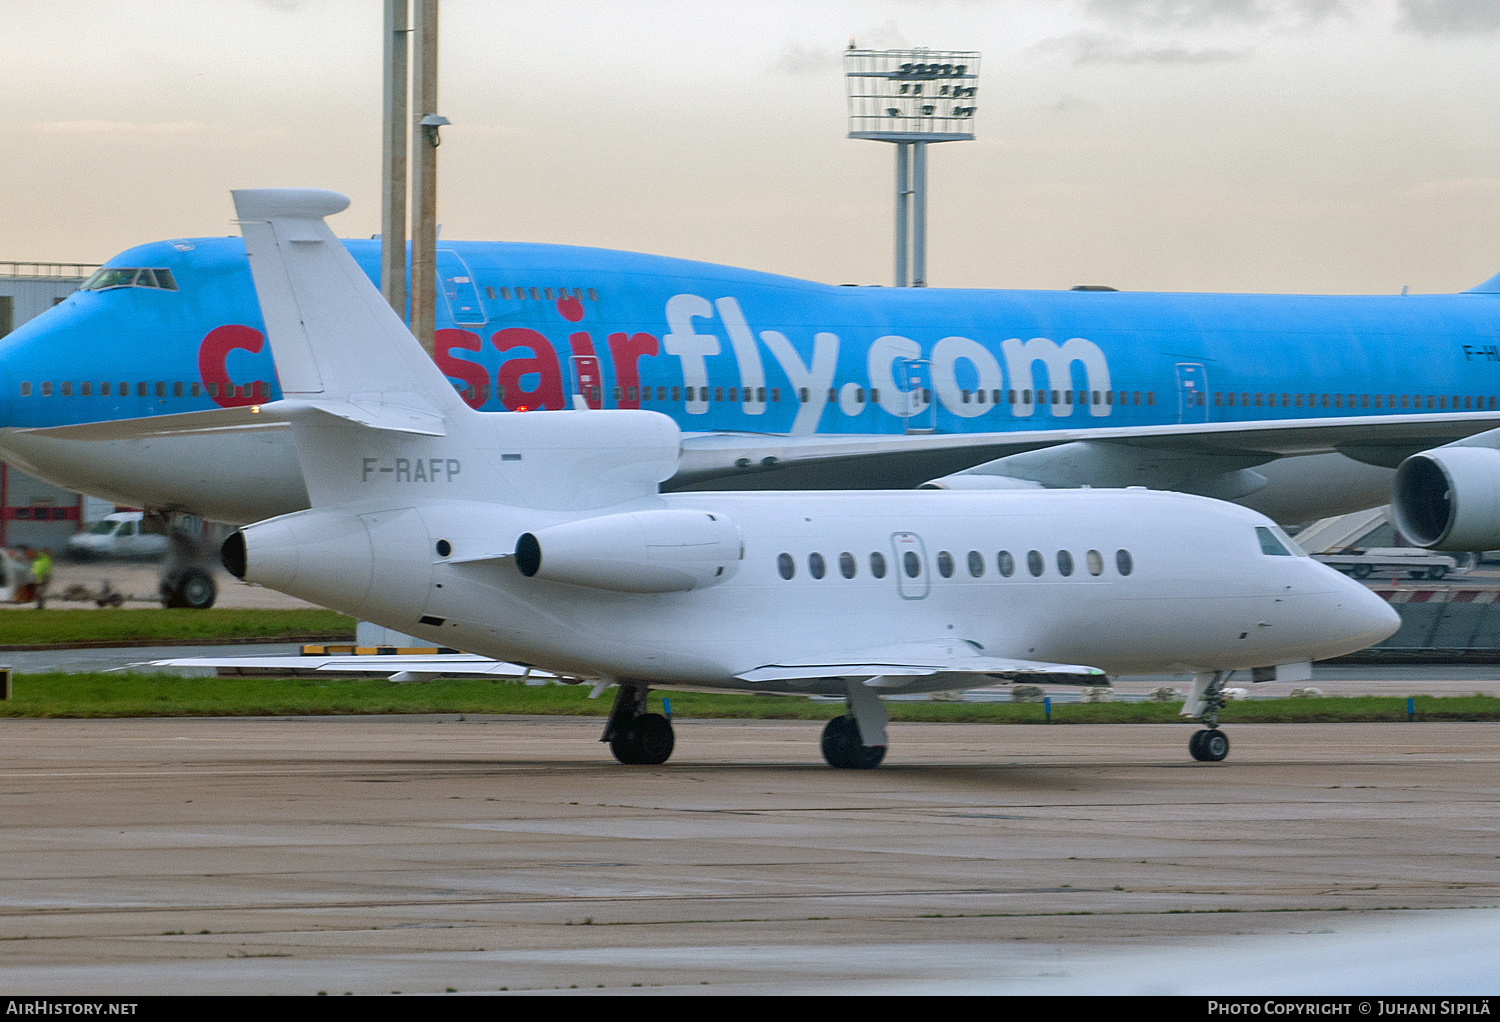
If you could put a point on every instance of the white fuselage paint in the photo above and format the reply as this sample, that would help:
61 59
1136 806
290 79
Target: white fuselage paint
1201 594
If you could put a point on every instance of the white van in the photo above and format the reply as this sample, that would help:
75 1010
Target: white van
117 535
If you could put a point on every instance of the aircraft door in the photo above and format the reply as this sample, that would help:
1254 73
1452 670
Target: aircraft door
916 379
459 289
1192 392
587 383
911 565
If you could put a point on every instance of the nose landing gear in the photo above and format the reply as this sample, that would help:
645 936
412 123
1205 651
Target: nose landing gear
1209 745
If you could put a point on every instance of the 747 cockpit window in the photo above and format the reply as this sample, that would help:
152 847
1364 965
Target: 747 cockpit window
1276 543
130 276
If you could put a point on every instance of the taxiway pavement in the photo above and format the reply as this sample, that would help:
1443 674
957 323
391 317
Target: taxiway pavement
423 853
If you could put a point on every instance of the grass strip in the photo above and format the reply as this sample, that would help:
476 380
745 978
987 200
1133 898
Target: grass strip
121 694
23 627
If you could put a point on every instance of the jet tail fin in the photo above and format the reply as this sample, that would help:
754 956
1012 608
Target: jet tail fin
333 336
375 420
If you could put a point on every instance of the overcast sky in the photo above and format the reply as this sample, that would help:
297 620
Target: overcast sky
1241 145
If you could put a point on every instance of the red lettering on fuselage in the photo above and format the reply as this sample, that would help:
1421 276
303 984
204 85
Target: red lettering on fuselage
445 341
213 357
548 393
625 350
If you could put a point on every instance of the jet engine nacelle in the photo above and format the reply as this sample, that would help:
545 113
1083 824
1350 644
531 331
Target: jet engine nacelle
330 558
666 551
1448 498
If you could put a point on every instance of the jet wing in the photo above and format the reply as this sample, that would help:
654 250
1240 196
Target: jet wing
429 665
922 659
901 461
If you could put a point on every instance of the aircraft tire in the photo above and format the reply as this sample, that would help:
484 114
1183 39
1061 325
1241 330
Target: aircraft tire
842 748
1209 745
646 741
190 588
654 739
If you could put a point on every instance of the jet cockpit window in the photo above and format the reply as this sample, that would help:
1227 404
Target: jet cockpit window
130 276
1275 543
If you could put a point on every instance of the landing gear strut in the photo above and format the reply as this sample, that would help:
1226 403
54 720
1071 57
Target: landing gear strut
1209 745
636 737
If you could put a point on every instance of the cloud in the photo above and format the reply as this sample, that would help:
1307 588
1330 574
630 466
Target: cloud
1071 105
1087 48
1459 189
1179 14
1449 17
98 127
797 59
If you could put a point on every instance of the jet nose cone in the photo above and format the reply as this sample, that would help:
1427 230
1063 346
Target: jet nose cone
1368 617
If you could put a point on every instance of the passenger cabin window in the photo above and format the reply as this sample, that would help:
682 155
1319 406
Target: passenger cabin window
877 565
1006 563
945 564
1124 563
786 565
1064 563
847 566
911 564
1095 562
1034 563
815 565
976 563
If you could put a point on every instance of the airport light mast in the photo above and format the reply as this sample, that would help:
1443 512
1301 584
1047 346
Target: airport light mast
911 98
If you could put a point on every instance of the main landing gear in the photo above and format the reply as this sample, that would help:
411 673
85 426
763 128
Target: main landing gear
1209 745
856 741
636 737
843 749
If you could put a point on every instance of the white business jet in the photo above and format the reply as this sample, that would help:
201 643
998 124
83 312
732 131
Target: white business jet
542 539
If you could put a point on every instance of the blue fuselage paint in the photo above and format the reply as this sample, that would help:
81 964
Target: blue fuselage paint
724 349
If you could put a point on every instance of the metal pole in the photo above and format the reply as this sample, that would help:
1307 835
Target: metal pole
393 162
903 190
424 173
919 215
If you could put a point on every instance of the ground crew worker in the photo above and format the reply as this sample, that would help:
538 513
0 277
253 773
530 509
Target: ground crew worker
41 571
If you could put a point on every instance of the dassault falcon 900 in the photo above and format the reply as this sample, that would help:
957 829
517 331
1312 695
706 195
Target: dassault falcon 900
543 539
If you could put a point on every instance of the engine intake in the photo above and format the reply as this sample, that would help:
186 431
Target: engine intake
667 551
1448 498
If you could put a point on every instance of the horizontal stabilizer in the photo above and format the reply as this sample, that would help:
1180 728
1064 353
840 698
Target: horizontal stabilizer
920 659
401 412
217 420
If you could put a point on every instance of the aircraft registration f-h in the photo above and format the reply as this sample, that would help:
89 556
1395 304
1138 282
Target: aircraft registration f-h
542 539
1298 406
